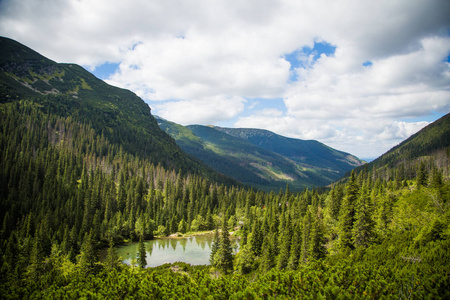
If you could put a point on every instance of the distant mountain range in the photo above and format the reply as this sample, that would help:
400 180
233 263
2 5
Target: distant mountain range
261 158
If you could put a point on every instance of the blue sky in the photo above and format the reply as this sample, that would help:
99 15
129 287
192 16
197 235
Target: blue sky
105 70
314 69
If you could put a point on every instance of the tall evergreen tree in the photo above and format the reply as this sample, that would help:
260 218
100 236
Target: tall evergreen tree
142 254
422 175
244 236
285 247
223 259
245 259
363 227
112 260
256 238
316 247
268 253
214 247
347 214
306 236
88 255
296 249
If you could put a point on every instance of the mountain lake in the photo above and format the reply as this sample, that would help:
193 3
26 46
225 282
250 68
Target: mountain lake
195 250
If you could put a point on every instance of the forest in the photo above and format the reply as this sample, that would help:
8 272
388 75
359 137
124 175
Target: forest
68 191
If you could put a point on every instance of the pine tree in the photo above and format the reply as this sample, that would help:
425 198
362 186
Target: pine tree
363 227
182 226
268 253
296 249
244 236
215 246
347 214
383 214
209 222
245 259
142 254
306 237
285 248
256 239
334 203
436 178
422 175
112 260
316 247
36 267
223 259
88 255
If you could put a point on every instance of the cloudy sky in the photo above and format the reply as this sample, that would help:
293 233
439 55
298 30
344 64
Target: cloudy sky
357 75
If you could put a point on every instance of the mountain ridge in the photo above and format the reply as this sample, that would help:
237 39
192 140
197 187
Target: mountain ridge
260 162
276 143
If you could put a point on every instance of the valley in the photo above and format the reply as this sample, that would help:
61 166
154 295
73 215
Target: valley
85 167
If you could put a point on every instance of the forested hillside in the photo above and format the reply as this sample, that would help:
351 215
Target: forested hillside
69 186
114 114
262 159
429 146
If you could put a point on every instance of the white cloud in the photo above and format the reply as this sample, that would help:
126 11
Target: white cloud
196 61
204 111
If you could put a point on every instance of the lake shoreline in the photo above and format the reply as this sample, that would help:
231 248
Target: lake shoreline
178 235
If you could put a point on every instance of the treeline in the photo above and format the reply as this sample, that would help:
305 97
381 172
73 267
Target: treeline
67 191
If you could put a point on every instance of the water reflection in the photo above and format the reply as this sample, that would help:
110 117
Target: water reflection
195 250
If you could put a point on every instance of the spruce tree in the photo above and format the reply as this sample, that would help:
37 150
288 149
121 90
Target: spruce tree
142 254
296 244
268 253
285 240
256 239
244 236
215 246
88 255
112 260
224 256
347 213
363 227
306 237
316 247
36 267
245 259
422 175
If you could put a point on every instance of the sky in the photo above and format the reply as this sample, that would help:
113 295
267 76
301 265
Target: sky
358 75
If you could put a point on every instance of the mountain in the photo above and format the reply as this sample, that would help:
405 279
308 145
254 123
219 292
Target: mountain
206 152
68 90
260 158
312 153
430 145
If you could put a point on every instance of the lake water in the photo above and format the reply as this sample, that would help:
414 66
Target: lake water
194 250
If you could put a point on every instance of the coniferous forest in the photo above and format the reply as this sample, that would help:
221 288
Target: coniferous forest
70 186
